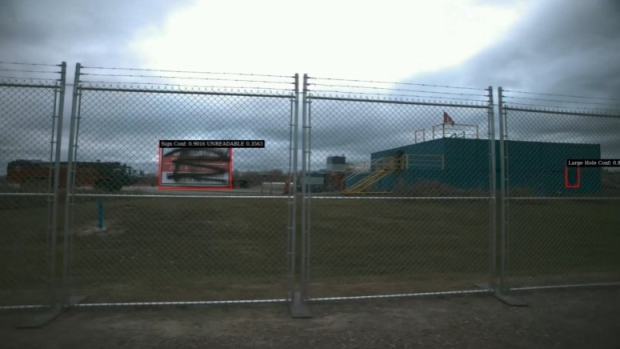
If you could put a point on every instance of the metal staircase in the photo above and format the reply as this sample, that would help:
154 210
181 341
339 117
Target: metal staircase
382 167
361 186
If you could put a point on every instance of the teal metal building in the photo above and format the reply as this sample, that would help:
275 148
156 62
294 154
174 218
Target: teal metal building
461 163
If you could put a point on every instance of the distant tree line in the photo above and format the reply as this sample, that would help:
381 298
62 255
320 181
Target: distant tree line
255 178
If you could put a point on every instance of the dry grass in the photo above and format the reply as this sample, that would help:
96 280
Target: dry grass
167 249
427 188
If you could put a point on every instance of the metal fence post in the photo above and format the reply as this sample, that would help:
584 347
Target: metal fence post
501 293
56 196
502 196
69 189
493 194
306 243
304 184
292 187
299 308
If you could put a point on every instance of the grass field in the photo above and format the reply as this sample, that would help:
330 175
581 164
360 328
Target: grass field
185 249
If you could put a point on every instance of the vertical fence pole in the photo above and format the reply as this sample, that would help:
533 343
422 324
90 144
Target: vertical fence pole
55 198
502 201
306 243
50 185
493 193
299 308
296 202
69 188
304 181
292 189
501 293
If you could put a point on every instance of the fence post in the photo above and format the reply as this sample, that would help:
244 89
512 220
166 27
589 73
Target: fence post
502 203
69 190
58 142
56 300
299 307
502 292
292 190
307 233
493 194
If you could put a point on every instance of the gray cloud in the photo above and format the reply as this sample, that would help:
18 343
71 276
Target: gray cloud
564 48
559 47
90 32
79 31
554 49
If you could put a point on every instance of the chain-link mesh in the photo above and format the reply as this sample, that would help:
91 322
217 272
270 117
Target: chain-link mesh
562 222
29 118
395 207
399 195
132 242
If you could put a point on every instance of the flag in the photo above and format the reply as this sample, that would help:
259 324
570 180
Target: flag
447 119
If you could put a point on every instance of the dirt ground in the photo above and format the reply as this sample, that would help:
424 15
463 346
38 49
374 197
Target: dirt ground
577 318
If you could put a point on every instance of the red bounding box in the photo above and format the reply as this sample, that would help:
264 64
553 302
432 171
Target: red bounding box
195 168
578 181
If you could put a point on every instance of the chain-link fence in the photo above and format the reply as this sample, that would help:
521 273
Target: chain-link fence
134 242
379 190
389 212
561 223
31 107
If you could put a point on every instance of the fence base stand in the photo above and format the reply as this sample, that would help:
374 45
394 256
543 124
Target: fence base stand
506 299
48 316
299 309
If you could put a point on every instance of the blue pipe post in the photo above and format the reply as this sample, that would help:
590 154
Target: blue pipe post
100 225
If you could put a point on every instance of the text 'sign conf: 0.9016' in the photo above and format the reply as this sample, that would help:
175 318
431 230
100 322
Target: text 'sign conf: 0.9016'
212 143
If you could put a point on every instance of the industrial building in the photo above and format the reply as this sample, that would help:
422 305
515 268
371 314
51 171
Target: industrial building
330 179
462 163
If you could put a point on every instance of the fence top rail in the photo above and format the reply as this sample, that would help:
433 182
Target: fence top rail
386 100
613 114
34 83
606 105
397 96
165 86
395 89
399 91
187 72
561 95
395 83
288 80
164 79
189 91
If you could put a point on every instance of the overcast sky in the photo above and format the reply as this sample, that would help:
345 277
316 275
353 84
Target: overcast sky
566 47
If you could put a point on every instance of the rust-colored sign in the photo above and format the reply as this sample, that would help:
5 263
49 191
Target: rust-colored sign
195 168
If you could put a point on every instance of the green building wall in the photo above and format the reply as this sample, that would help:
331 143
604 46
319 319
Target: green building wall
533 166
